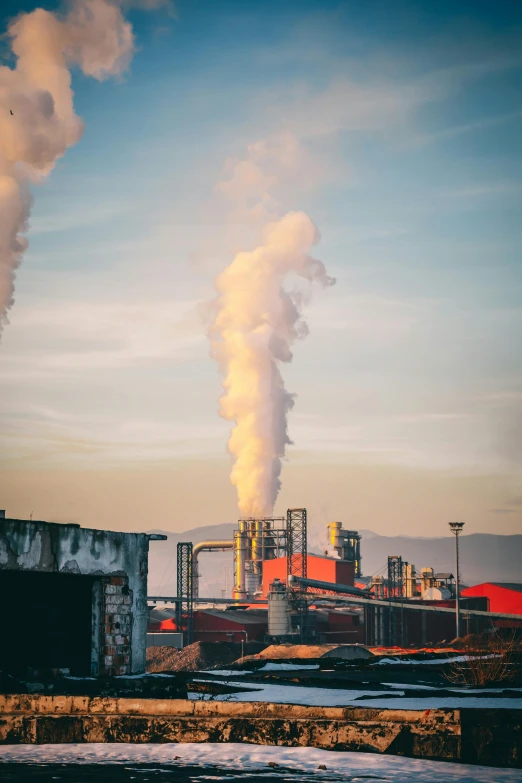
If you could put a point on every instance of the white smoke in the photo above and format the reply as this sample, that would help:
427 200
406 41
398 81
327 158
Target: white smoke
93 36
257 321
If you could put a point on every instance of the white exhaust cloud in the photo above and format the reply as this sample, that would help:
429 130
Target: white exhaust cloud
37 118
257 320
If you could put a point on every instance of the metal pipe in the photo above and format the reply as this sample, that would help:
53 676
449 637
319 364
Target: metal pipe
205 546
174 599
332 586
315 598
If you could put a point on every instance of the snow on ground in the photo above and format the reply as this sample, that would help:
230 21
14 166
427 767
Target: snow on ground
410 661
333 697
224 672
288 667
410 687
462 690
268 667
233 756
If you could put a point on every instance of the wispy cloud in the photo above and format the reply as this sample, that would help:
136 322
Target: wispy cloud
90 215
80 337
471 127
501 511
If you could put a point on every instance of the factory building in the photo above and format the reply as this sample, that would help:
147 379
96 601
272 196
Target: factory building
87 593
272 563
340 626
216 625
321 567
503 597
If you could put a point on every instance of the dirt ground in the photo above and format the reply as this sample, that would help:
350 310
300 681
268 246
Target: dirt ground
198 656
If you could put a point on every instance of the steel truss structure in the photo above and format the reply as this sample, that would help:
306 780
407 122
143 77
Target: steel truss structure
185 590
296 560
296 545
396 618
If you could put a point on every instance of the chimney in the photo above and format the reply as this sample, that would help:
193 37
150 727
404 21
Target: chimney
2 514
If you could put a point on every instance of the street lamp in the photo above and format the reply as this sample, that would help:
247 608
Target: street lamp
456 527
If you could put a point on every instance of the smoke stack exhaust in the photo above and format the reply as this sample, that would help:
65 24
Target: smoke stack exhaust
256 324
37 119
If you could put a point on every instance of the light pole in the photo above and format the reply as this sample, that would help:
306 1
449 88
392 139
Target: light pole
456 527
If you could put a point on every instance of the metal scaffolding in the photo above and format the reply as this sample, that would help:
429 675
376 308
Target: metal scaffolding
395 577
185 590
296 557
296 541
396 617
256 540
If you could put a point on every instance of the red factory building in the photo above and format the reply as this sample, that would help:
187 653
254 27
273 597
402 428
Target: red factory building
341 625
321 567
216 625
505 597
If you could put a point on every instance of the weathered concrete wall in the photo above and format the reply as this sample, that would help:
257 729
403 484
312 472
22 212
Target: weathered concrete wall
69 549
474 736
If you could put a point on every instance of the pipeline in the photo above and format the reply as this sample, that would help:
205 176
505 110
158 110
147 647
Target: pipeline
333 587
205 546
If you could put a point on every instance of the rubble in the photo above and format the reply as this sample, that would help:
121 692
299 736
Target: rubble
198 656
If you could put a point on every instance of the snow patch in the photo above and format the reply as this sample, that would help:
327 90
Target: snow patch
233 756
287 667
336 697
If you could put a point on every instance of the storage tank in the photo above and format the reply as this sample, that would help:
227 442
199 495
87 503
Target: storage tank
279 624
252 581
347 544
427 578
436 594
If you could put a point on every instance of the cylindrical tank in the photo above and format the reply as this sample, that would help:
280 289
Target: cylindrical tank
333 534
278 610
410 580
427 578
240 547
252 580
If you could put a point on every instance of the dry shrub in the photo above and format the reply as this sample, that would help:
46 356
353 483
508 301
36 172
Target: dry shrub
496 661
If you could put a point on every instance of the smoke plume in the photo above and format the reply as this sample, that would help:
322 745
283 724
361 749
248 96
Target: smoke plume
257 321
37 118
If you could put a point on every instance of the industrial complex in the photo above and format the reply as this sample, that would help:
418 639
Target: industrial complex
92 615
284 593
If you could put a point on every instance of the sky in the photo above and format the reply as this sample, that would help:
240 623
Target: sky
398 129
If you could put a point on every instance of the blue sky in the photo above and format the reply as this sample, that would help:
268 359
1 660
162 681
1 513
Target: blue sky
409 119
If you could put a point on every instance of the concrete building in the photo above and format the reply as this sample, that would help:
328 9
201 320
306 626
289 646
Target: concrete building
84 595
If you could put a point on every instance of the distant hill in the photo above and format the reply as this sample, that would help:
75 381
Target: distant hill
484 557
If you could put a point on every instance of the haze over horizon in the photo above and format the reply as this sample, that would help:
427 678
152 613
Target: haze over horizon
400 136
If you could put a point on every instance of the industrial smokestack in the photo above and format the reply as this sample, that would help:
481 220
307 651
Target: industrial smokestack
256 324
37 118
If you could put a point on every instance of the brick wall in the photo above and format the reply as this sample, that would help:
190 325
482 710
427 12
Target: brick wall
116 627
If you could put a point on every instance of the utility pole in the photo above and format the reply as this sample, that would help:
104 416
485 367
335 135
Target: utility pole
456 528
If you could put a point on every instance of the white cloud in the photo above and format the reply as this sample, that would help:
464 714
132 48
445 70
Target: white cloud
85 336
